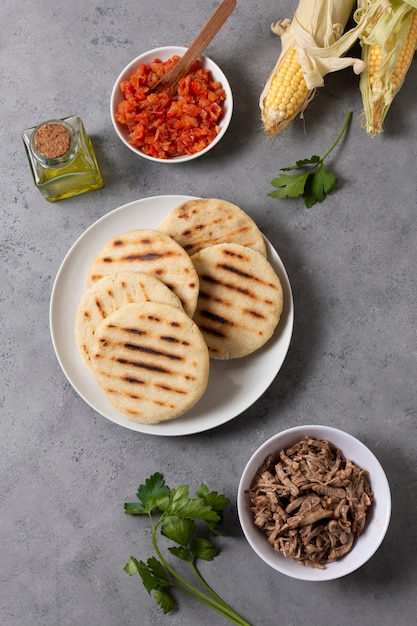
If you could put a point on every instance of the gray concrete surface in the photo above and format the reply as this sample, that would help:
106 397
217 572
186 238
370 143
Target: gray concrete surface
65 471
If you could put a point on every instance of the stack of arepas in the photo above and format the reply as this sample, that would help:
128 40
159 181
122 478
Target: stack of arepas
159 304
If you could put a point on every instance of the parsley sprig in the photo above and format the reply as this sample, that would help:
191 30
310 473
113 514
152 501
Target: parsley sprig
179 518
314 182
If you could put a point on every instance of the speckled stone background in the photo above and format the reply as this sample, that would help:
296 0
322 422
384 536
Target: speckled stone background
66 471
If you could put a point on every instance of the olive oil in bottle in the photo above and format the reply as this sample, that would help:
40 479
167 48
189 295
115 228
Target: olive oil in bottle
62 158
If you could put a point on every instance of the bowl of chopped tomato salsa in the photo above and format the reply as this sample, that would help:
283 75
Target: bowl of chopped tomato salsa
174 128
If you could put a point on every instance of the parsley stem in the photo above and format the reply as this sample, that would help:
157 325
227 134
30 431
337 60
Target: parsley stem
206 585
241 621
342 132
222 609
214 602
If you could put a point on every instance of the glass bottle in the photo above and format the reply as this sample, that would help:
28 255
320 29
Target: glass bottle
62 158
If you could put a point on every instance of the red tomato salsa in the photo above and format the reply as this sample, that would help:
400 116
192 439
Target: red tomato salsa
162 126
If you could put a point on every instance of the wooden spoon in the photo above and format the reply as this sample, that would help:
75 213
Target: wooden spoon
170 80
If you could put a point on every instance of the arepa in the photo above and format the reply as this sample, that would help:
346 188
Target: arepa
109 294
151 361
151 252
240 300
204 222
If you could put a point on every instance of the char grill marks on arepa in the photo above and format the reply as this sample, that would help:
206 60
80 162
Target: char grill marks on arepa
151 361
203 222
154 253
240 300
109 294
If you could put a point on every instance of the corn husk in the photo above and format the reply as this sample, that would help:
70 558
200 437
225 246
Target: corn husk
317 30
390 32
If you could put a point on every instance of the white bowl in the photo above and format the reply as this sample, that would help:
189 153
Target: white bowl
164 54
378 516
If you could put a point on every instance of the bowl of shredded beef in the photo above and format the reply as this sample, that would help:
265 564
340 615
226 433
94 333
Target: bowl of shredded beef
314 503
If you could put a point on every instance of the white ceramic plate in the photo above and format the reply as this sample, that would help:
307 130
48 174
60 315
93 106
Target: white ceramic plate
233 386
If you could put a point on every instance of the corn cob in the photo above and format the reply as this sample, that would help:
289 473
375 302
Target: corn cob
313 44
387 50
286 94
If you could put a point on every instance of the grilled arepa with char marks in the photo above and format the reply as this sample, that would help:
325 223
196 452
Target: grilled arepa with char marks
151 252
240 300
109 294
204 222
151 361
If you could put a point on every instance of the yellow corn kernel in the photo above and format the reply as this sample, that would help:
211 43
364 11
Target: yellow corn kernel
287 94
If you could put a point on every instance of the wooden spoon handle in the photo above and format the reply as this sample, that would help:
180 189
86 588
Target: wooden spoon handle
170 80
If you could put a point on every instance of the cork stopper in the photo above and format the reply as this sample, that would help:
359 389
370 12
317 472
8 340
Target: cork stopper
52 140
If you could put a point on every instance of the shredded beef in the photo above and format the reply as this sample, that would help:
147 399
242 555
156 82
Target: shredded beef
311 502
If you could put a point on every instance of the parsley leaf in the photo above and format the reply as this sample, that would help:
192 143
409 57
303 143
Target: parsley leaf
180 529
314 182
203 549
218 502
148 495
179 518
154 578
164 600
320 183
289 185
178 503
